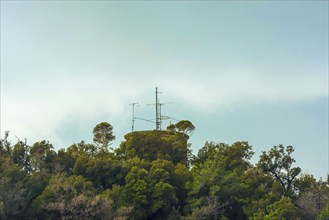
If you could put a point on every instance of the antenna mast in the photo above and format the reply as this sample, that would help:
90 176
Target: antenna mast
157 111
133 115
158 116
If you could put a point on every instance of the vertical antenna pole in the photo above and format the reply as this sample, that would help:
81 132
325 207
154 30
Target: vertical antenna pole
133 118
157 122
160 117
133 115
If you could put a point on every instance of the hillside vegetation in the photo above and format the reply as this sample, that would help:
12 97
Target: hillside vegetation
154 175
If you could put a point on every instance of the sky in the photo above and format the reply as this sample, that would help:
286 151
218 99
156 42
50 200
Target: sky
253 71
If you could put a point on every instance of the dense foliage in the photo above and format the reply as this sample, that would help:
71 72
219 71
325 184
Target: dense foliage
153 175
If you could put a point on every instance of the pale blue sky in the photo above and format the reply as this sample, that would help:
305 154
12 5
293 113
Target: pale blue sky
240 70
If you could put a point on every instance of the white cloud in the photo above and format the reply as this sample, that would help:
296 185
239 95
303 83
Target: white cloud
234 87
36 108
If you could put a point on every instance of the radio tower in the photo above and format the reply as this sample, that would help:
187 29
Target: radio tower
158 116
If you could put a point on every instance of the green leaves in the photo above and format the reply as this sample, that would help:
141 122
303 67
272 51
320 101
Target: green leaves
149 177
282 209
72 198
164 197
324 215
278 162
152 145
42 156
103 135
218 173
183 126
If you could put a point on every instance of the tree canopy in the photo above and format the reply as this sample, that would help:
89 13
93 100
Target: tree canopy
103 135
153 175
183 126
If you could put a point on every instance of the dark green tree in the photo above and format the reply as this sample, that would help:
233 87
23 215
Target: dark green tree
102 171
324 215
13 192
313 196
42 156
185 126
5 148
20 154
72 198
171 127
149 177
259 191
152 145
282 209
279 163
217 183
103 135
